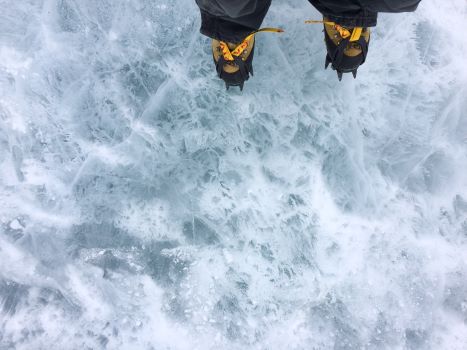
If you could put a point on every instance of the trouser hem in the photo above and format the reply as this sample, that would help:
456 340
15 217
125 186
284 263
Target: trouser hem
222 29
367 20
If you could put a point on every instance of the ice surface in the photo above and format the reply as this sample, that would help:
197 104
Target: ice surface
144 207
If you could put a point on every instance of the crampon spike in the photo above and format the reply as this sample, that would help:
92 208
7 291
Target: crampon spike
251 70
227 86
241 86
339 75
354 73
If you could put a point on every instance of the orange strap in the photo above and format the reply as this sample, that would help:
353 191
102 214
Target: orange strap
354 35
229 55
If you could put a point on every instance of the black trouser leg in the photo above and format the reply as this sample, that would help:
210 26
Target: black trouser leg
361 13
231 20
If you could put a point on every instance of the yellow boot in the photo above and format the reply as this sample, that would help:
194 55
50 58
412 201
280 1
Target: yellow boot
234 62
234 70
346 47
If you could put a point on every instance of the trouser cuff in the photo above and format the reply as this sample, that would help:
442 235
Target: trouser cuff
363 19
221 29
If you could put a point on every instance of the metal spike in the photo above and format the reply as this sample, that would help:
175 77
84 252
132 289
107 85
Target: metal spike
251 70
328 60
339 75
354 73
241 86
227 86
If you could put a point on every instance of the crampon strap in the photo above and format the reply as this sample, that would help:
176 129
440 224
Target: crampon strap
353 34
229 55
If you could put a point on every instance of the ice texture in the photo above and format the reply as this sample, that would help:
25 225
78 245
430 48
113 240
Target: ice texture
142 206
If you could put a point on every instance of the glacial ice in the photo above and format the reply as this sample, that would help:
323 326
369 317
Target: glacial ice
142 206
